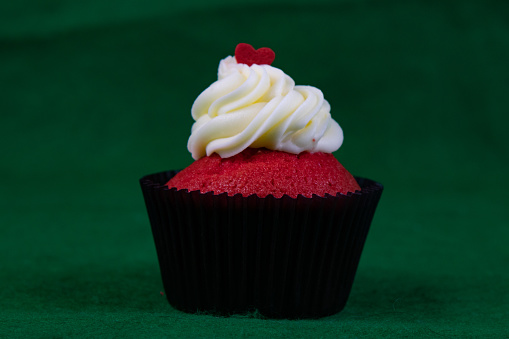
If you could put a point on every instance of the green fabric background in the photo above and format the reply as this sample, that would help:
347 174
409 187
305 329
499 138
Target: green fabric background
95 94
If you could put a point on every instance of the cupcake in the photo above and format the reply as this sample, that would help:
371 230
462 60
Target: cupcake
265 219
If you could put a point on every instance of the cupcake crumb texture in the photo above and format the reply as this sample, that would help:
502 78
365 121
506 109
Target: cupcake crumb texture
265 172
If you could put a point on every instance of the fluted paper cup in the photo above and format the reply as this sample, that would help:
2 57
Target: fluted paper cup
283 257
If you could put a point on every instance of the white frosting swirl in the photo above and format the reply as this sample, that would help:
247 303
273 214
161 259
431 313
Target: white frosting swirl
260 106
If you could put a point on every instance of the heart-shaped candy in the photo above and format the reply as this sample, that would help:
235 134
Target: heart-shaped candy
246 54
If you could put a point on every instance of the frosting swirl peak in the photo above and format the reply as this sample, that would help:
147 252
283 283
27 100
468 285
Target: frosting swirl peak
260 106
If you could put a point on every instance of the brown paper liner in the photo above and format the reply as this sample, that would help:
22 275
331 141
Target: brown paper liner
283 257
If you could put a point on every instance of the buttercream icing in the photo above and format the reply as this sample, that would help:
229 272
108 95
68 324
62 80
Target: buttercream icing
260 106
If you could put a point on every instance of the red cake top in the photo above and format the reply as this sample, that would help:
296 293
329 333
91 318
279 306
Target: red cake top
264 172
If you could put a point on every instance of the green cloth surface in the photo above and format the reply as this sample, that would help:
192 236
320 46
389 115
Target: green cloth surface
96 94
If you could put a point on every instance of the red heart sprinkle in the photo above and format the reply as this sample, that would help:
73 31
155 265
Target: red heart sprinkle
246 54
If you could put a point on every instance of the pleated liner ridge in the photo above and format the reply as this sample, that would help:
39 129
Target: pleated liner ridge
285 258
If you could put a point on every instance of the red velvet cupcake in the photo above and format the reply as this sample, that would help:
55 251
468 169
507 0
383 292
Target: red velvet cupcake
265 219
